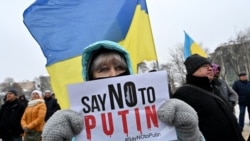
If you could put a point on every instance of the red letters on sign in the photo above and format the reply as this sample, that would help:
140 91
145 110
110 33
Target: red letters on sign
151 115
107 131
138 120
124 120
108 124
90 123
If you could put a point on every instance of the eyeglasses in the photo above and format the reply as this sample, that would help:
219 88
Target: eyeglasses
206 66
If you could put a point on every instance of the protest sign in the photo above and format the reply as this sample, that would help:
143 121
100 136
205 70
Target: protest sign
122 108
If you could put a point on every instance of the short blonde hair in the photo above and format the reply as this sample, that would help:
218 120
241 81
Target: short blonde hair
105 57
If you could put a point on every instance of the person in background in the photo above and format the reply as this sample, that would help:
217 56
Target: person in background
227 93
33 118
106 59
23 100
242 88
5 97
10 117
53 95
51 104
216 120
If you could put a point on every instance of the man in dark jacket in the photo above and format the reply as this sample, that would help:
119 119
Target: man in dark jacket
10 118
242 88
216 120
51 104
227 93
23 100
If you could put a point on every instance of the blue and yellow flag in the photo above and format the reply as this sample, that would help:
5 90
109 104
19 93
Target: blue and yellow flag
191 47
64 28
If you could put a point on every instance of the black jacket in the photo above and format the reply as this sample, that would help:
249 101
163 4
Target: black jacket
242 88
10 119
52 106
216 121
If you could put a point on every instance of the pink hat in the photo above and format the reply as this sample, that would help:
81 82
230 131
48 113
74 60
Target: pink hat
215 68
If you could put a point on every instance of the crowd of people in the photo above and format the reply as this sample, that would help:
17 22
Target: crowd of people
22 119
202 109
205 96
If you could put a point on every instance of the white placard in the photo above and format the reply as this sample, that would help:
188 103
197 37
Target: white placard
122 108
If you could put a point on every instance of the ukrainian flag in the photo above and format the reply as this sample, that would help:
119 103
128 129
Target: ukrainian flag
64 28
191 47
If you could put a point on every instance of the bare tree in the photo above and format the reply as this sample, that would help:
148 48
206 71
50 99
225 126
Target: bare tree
175 68
44 83
18 88
9 83
243 38
233 56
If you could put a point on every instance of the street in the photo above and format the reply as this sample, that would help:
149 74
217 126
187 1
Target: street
246 130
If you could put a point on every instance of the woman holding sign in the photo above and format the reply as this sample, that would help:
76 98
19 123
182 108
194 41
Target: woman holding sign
105 59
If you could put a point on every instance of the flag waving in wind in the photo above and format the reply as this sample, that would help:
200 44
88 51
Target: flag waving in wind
64 28
191 47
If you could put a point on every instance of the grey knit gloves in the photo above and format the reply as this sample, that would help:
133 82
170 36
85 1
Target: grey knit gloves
62 126
177 113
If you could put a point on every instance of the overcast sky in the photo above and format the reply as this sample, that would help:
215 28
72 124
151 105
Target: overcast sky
210 22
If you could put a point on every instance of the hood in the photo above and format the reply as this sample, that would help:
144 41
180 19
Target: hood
215 67
89 50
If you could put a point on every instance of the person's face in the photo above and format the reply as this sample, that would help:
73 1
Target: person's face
108 70
204 71
217 73
47 94
243 78
35 96
10 96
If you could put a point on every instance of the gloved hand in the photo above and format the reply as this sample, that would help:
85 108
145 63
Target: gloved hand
175 112
63 125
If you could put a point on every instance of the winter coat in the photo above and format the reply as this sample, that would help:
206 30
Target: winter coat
242 88
226 92
52 106
23 100
216 120
10 117
34 115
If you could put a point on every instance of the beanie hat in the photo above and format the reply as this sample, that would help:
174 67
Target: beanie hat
193 62
242 74
12 91
47 91
38 92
